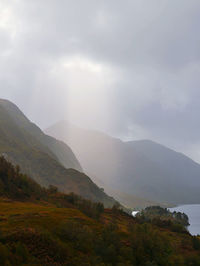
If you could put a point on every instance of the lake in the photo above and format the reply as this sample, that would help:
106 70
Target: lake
193 213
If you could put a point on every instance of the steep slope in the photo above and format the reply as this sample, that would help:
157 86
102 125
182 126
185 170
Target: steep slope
45 227
140 168
58 149
23 143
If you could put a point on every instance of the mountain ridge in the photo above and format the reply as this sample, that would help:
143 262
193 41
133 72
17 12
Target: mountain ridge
24 144
141 168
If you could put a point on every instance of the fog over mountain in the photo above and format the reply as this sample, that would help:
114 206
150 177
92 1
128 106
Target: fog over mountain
140 168
128 68
45 159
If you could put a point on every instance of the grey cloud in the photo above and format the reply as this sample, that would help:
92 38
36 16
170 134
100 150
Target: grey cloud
152 48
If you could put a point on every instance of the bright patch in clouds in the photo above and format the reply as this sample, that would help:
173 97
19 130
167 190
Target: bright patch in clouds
83 64
8 21
88 89
134 63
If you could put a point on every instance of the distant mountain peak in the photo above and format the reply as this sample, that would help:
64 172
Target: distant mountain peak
142 168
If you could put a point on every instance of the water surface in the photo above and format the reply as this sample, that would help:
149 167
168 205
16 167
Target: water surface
193 212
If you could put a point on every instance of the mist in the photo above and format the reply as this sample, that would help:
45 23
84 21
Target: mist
130 69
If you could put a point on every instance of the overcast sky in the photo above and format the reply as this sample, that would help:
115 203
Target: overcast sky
127 67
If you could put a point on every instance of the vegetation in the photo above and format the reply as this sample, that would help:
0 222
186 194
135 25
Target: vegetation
40 226
163 215
43 158
18 186
15 185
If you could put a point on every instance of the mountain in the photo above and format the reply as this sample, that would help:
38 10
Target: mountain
58 149
45 159
143 168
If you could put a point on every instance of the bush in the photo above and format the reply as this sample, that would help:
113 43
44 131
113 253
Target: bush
4 254
196 243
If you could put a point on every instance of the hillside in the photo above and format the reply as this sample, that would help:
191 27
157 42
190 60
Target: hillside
143 169
43 158
44 227
58 149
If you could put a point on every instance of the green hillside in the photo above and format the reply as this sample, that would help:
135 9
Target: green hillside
24 144
58 149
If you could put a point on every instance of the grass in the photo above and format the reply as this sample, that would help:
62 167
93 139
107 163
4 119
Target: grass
55 235
16 215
